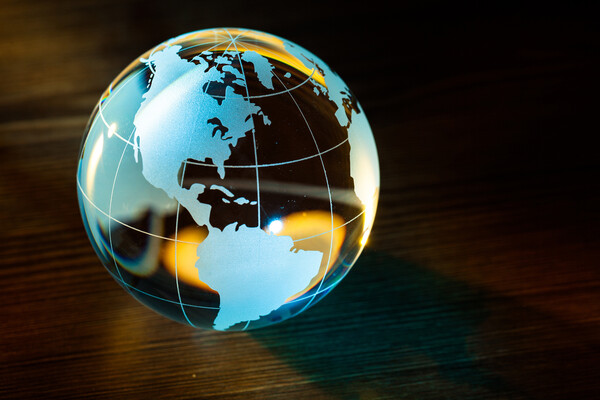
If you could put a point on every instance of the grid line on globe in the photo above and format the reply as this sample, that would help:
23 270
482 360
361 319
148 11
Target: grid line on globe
328 193
110 202
194 125
80 189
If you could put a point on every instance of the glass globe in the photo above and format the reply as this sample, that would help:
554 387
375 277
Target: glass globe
228 179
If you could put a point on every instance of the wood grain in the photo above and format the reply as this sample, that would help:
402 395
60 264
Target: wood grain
481 279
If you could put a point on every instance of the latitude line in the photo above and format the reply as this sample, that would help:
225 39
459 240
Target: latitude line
135 146
318 292
337 227
166 44
250 165
261 96
127 225
328 193
161 298
205 307
111 95
286 90
272 164
109 99
269 51
184 241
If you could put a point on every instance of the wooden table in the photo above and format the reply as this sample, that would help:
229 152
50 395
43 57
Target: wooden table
481 279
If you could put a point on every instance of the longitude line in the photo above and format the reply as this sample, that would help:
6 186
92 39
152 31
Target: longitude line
253 130
254 142
108 100
177 218
177 223
176 245
208 84
112 192
328 193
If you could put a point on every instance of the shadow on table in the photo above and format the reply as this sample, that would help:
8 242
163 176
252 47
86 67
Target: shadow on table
390 329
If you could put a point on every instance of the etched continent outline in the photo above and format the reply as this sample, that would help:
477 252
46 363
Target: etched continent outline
182 118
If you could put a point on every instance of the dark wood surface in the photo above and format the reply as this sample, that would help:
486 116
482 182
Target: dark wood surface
481 279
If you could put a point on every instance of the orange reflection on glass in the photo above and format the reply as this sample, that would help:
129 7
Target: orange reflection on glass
182 255
245 40
95 158
311 230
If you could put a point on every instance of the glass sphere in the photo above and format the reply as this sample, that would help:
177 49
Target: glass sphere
228 179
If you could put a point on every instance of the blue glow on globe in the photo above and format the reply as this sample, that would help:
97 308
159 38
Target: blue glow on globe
228 179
